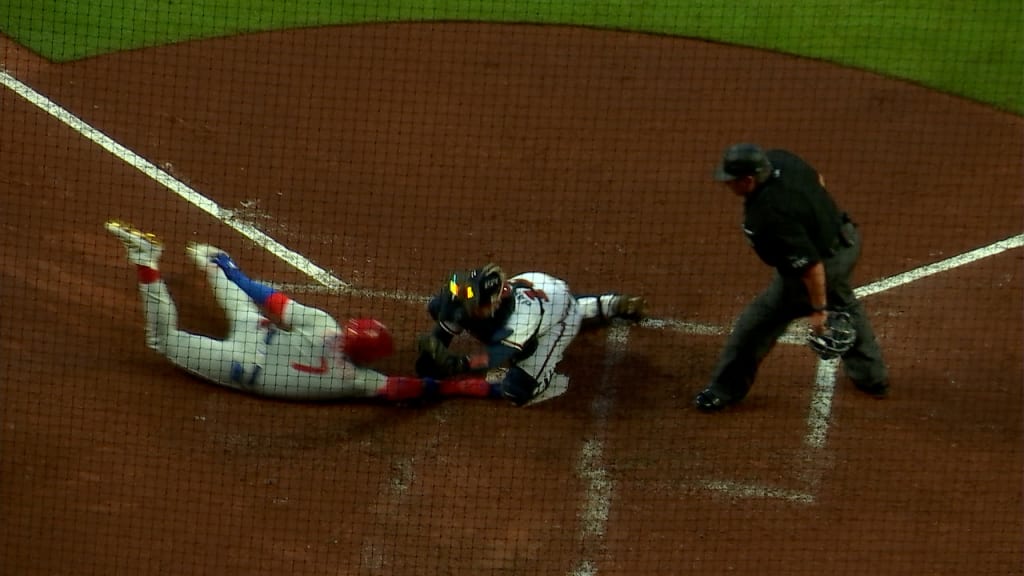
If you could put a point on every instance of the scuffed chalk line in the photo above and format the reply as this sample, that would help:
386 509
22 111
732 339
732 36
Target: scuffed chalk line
598 495
599 487
161 176
794 335
820 411
738 490
393 295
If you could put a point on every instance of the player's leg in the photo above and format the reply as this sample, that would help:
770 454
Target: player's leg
753 336
206 357
241 311
863 363
597 310
230 363
534 379
144 251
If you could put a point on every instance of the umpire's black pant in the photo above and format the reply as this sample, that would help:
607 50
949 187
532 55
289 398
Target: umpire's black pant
766 318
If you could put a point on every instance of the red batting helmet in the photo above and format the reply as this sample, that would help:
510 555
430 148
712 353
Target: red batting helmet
367 340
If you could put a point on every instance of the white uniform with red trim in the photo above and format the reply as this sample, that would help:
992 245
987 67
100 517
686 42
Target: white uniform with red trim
546 310
544 319
302 363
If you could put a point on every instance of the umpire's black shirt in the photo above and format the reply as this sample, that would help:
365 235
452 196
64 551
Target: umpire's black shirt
790 219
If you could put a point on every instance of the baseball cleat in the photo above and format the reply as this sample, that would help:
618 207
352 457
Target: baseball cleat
557 386
144 249
877 390
203 254
629 307
707 401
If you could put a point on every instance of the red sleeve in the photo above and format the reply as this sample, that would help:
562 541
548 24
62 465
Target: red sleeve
276 304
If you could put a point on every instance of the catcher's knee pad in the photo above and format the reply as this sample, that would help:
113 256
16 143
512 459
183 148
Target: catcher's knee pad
518 386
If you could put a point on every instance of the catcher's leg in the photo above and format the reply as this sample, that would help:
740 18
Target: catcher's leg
534 378
599 310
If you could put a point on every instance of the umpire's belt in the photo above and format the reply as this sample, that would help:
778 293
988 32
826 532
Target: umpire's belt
846 237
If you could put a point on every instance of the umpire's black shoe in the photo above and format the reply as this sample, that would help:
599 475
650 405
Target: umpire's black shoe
707 401
876 389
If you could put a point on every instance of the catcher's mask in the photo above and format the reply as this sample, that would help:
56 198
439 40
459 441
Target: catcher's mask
477 288
366 340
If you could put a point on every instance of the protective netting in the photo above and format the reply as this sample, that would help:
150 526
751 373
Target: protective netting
350 158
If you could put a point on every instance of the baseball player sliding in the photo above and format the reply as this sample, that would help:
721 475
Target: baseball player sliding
275 346
525 323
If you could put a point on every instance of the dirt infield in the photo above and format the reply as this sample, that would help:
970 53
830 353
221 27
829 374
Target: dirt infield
388 155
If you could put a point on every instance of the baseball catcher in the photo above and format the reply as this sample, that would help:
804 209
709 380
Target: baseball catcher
525 324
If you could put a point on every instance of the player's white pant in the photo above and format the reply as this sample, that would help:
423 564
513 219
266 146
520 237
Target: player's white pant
551 346
203 356
596 307
240 361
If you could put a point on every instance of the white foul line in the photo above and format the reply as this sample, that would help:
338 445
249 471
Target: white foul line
940 266
161 176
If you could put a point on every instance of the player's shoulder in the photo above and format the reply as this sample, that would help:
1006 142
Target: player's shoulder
789 164
783 156
536 280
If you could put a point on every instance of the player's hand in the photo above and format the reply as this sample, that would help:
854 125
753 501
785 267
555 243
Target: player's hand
431 346
816 321
231 270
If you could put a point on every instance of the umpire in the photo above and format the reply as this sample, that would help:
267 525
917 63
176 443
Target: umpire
794 226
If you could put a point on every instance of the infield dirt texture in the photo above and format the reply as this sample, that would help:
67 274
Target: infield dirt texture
387 155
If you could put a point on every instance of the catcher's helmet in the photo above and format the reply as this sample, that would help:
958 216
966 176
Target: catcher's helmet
478 287
366 340
743 159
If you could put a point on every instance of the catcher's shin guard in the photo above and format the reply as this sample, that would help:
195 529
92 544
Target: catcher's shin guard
629 307
598 310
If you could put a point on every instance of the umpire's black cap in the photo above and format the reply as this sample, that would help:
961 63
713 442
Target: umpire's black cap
743 159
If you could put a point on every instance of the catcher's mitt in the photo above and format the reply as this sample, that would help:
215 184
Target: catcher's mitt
837 338
436 361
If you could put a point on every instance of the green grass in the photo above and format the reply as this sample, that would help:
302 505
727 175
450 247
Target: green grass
973 49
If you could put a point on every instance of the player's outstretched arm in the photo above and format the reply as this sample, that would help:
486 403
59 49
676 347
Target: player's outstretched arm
403 388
